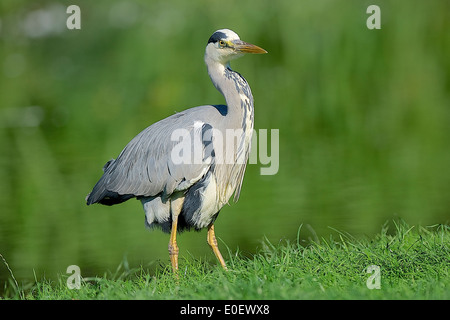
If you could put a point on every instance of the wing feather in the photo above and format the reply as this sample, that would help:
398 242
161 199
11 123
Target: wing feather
145 167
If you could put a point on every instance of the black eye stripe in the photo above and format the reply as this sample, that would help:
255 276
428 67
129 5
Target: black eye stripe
217 36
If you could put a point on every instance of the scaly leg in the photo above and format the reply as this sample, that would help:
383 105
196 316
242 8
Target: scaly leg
173 248
176 205
211 238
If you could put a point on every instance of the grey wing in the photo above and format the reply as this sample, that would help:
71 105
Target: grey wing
168 156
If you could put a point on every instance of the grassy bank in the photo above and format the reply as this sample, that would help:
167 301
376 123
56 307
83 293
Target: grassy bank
413 262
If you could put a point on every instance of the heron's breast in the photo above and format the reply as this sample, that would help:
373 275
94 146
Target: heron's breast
202 204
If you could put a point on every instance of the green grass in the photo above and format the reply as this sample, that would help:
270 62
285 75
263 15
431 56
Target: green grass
413 261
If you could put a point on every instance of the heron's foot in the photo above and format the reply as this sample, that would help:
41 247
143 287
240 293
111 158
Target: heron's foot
211 238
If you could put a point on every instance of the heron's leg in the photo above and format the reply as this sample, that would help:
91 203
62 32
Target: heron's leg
176 205
173 248
211 238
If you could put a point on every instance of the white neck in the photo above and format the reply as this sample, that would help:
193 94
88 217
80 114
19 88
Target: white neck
232 85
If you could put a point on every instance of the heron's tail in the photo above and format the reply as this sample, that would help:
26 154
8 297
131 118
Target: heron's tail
101 194
106 197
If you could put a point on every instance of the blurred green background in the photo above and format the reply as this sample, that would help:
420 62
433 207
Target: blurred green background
364 120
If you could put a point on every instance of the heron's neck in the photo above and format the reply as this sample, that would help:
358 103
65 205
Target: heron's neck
234 88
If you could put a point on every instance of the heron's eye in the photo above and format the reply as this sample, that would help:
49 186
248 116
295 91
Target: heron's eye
222 43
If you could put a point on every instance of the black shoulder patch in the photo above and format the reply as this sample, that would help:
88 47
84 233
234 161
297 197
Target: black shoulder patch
217 36
223 109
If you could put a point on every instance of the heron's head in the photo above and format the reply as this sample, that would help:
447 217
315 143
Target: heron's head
225 45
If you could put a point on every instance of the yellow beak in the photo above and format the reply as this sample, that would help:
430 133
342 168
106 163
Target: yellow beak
245 47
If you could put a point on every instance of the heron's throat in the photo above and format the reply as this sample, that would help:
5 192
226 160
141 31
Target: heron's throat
234 88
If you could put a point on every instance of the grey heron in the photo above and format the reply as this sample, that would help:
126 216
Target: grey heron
181 194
